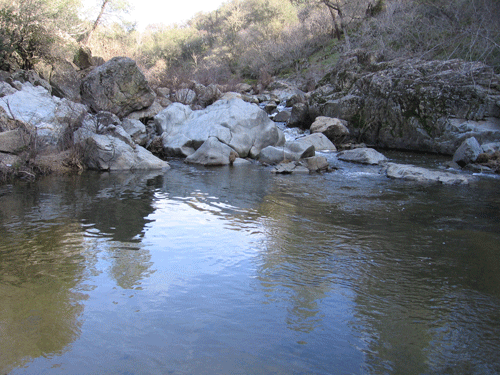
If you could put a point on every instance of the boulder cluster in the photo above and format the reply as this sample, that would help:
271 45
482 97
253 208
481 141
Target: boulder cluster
105 116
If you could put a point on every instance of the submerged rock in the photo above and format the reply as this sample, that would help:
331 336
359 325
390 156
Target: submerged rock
419 174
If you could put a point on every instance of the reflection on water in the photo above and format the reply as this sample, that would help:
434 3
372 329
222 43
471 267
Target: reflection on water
235 270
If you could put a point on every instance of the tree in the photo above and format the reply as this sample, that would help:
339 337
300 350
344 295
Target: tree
107 8
30 27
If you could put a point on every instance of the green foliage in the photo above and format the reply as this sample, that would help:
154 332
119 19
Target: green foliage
30 27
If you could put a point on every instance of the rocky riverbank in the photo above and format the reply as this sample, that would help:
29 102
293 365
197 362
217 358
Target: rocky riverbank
110 118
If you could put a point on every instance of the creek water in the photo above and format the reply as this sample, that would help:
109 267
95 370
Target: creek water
235 270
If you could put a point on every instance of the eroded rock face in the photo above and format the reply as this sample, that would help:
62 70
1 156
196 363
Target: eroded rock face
412 104
117 86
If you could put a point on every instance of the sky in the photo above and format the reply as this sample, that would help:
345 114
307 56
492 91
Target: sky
168 12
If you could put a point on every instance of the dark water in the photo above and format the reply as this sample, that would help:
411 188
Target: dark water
237 271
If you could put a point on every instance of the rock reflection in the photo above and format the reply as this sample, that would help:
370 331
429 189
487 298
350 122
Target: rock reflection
52 232
40 305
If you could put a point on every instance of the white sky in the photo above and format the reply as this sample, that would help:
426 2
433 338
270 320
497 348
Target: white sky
146 12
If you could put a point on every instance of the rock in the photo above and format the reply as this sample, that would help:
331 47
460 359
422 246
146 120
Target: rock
316 164
107 153
147 114
136 130
418 174
63 78
24 76
163 92
282 116
283 91
490 148
363 156
211 153
14 141
291 151
6 89
242 126
295 99
412 104
490 160
467 152
300 116
177 145
244 88
184 96
83 58
289 168
117 86
206 95
240 161
270 108
333 128
97 61
52 117
319 141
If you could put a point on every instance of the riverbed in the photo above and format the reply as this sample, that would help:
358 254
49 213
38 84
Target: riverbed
234 270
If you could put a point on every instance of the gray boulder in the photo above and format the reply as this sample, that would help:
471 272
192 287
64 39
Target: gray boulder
117 86
211 153
319 141
467 152
282 116
14 141
184 96
52 117
83 57
316 164
242 126
363 156
63 78
490 148
206 95
136 130
412 104
291 151
6 89
148 113
170 119
299 117
107 153
333 128
418 174
289 168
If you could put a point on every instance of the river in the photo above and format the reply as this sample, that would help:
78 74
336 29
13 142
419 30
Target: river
235 270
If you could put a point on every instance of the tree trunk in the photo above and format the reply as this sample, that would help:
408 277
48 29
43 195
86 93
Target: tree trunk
96 22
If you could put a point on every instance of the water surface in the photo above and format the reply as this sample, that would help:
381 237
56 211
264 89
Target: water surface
238 271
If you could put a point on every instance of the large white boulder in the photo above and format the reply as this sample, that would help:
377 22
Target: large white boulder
108 153
242 126
49 115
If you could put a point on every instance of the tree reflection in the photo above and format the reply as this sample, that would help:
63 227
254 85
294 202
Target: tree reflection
40 305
